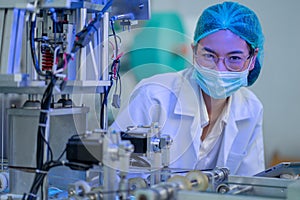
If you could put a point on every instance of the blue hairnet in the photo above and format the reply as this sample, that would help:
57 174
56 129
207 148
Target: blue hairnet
238 19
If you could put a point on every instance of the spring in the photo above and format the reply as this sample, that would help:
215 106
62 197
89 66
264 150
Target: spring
47 58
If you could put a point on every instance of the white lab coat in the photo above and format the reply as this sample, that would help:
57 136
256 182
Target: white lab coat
173 100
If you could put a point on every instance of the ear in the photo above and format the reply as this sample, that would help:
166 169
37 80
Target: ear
194 47
253 60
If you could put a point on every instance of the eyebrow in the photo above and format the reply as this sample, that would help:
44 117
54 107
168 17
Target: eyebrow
232 52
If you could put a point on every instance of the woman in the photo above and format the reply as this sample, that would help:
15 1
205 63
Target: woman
214 120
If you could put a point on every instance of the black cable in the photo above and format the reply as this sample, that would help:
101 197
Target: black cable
65 150
103 104
120 40
85 36
82 39
114 35
33 50
106 92
45 107
48 145
116 61
61 155
39 176
42 190
120 85
41 140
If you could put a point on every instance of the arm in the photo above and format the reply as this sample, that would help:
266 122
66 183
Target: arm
140 110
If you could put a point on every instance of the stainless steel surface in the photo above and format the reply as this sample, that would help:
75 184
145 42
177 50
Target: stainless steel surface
191 195
271 188
231 187
11 44
2 20
105 65
23 123
14 35
27 4
88 74
139 9
82 53
38 87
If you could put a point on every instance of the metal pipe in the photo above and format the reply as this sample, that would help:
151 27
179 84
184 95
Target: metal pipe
104 66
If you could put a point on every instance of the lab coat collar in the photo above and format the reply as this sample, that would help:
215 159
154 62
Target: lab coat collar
239 110
188 104
189 99
188 95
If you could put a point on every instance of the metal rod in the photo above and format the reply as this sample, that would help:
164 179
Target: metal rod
2 132
104 65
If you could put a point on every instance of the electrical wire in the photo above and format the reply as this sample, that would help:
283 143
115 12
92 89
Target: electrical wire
32 47
104 103
115 37
45 107
116 67
61 155
65 150
41 174
115 48
120 39
118 83
48 145
41 140
46 102
114 75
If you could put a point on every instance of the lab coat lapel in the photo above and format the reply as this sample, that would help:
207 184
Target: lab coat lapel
188 104
188 98
230 132
232 147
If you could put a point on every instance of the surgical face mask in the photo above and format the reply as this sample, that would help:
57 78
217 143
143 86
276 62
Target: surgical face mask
219 84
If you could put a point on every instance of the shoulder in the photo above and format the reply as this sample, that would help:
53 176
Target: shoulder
166 78
246 103
171 81
249 97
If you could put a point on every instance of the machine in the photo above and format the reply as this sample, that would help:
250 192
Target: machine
58 61
53 54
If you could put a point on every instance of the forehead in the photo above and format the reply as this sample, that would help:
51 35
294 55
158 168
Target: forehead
224 41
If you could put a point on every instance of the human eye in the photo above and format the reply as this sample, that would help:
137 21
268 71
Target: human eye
208 56
235 59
